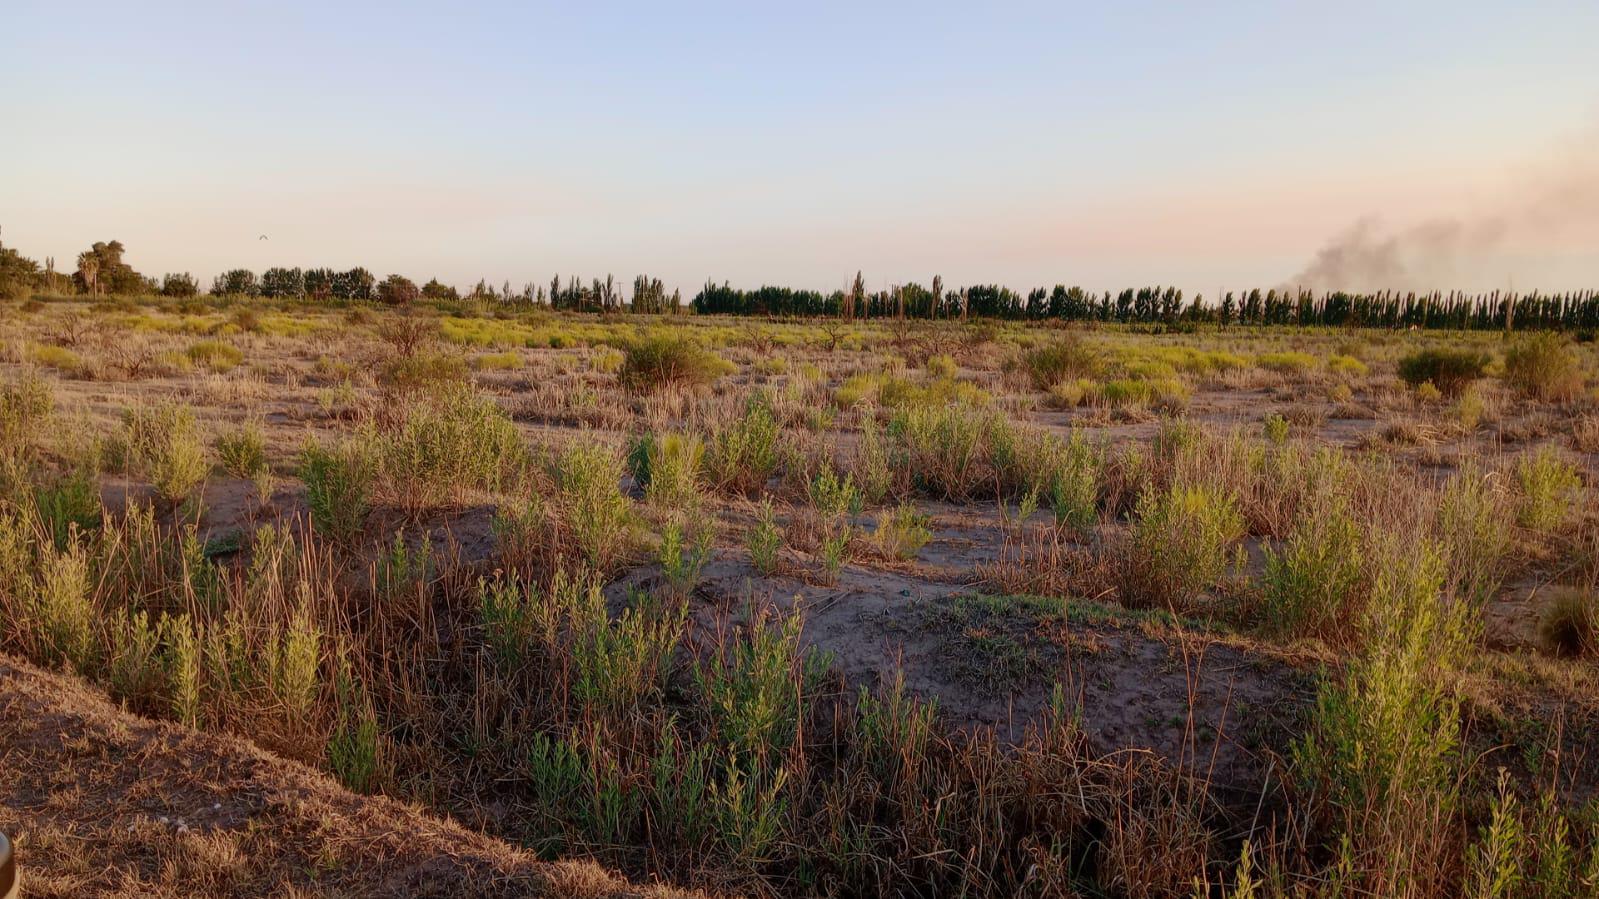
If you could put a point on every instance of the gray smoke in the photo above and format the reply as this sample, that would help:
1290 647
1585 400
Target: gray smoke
1559 206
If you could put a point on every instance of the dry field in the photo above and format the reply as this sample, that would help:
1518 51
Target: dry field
807 607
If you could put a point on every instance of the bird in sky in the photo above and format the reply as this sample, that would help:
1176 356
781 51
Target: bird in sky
262 237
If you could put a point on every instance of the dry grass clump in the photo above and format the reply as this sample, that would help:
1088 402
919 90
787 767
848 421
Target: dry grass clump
214 355
1569 622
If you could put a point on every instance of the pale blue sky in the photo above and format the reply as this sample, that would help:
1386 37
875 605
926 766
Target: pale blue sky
1101 144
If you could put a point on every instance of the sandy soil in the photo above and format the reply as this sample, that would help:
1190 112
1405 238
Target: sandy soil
100 802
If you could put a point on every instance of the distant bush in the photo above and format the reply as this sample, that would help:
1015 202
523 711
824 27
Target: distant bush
63 360
1062 360
1288 363
398 290
1543 367
942 366
1164 393
1347 365
498 361
423 371
1449 370
215 355
665 360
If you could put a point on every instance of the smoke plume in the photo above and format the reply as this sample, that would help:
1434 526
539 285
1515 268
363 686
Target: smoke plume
1552 212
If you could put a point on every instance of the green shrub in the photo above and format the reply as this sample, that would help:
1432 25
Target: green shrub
68 505
423 371
1472 533
353 746
618 663
942 447
1469 408
181 655
668 468
591 504
63 607
1544 367
941 367
1163 393
294 663
457 441
1548 482
743 455
134 658
765 539
1288 363
1449 370
1313 587
682 558
902 533
663 360
1383 747
1276 429
1347 365
1181 542
338 485
242 452
162 443
1074 486
25 403
1032 461
753 692
507 361
61 359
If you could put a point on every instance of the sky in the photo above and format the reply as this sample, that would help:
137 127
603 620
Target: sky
1208 146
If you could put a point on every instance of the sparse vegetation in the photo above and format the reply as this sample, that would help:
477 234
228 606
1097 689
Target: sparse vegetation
522 598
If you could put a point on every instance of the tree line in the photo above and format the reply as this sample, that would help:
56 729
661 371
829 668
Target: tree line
102 271
1167 305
